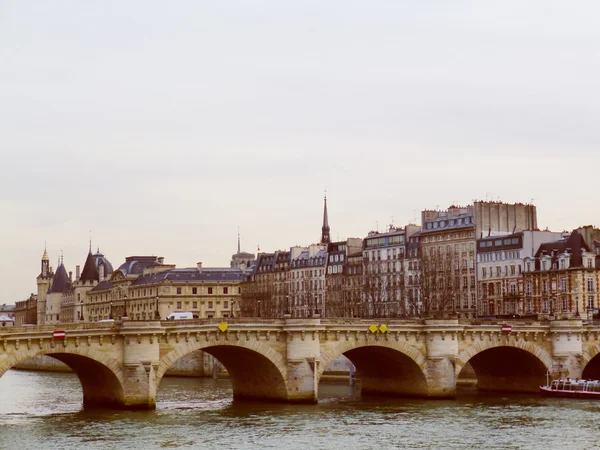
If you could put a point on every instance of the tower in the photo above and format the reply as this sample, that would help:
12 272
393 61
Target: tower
325 239
44 281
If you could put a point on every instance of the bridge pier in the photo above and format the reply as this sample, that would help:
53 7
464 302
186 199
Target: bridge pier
141 355
303 356
442 349
567 348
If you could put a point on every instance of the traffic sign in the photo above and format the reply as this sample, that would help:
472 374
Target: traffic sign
59 334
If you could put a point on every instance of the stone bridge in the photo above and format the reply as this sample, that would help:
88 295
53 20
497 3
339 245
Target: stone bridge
121 364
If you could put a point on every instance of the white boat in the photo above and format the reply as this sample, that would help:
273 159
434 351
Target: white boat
572 387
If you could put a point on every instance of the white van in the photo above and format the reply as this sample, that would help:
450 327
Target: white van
180 316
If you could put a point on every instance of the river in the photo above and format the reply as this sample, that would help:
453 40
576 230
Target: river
43 411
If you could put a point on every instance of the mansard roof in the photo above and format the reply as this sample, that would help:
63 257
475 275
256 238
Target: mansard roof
102 286
61 281
574 245
192 275
135 265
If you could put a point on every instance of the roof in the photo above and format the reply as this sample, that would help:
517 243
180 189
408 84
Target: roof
134 265
91 268
461 221
192 275
61 281
103 285
574 245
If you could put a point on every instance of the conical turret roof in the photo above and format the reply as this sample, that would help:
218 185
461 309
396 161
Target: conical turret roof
61 280
90 271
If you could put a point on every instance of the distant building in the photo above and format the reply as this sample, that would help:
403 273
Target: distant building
562 278
25 311
385 275
6 321
448 246
344 278
499 270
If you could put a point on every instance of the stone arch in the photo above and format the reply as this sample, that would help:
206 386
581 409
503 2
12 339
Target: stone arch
590 368
256 369
384 367
480 346
100 375
513 366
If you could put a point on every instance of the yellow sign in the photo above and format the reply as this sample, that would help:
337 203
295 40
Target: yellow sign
383 328
223 327
373 328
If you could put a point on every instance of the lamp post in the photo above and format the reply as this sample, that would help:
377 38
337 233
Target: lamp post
259 308
110 314
157 312
125 315
232 308
81 309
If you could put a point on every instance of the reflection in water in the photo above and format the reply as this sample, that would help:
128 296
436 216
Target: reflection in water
43 410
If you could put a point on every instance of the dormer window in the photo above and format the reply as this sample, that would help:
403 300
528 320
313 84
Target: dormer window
544 265
562 264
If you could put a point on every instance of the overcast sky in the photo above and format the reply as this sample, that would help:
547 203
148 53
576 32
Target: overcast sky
163 126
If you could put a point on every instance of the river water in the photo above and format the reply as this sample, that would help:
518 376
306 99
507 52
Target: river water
43 411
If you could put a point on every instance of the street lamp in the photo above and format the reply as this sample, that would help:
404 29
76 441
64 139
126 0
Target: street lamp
232 309
259 308
125 315
157 313
110 315
81 309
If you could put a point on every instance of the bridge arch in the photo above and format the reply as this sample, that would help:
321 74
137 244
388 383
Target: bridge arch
590 363
100 375
512 365
256 369
384 367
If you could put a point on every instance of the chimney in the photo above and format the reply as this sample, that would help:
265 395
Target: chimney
71 276
199 264
77 272
160 259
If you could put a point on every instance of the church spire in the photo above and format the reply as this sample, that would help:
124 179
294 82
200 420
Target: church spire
325 228
238 240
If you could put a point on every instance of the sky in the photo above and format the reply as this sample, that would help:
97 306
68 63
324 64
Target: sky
163 127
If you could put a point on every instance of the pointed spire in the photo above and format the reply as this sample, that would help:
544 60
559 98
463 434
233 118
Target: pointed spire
325 228
238 240
45 255
61 258
90 241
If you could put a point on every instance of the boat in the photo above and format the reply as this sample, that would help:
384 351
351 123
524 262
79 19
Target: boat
571 387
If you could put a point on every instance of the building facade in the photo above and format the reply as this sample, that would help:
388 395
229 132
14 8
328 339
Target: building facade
561 279
500 270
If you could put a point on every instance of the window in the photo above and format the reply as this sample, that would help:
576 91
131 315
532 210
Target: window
528 288
590 284
562 264
590 263
225 290
210 305
483 272
194 305
178 291
226 304
210 291
590 302
563 285
194 290
545 286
